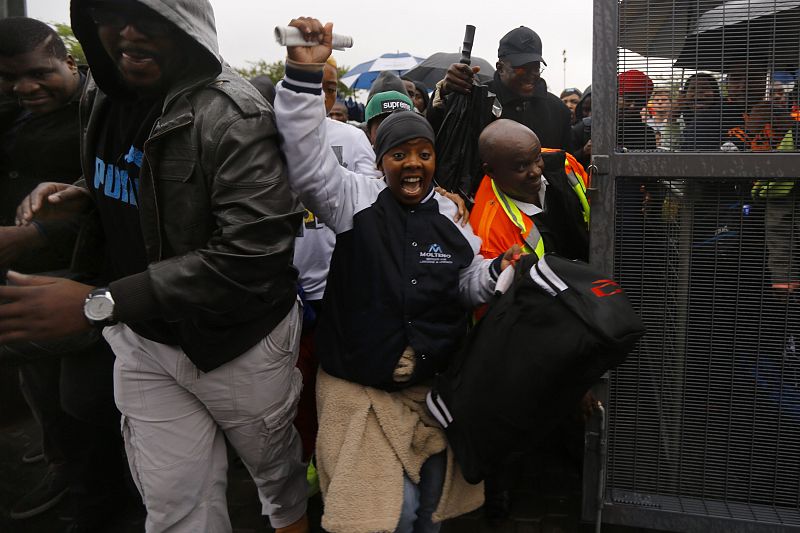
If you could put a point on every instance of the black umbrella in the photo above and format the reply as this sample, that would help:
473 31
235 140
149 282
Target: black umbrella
457 159
433 69
659 29
739 32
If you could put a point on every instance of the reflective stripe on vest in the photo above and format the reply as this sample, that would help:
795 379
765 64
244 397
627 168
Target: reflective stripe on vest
580 190
578 185
533 239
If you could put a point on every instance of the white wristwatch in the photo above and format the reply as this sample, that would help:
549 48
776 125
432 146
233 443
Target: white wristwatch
99 307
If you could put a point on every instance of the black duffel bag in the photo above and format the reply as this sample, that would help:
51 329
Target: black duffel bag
541 345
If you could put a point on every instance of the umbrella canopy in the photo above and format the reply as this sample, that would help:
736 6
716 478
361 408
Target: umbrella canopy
361 76
433 69
659 29
738 32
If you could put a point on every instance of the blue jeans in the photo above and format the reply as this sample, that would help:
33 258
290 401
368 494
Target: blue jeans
420 500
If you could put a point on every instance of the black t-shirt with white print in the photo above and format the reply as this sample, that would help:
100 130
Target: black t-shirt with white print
115 188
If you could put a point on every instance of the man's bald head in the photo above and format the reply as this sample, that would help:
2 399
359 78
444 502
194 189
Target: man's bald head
512 156
504 135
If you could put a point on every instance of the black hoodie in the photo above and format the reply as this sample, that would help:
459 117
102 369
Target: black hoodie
581 131
193 18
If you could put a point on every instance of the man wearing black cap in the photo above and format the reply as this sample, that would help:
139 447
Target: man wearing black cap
520 90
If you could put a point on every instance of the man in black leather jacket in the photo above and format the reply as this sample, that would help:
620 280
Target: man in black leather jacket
191 205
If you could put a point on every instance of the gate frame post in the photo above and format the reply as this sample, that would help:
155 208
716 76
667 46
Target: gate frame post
12 8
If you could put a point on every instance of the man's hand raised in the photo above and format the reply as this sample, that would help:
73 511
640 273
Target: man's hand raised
459 79
313 32
53 201
40 307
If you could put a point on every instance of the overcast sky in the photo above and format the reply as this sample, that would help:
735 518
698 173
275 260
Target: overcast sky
420 28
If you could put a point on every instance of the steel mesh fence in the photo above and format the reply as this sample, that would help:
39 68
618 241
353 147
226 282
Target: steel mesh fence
705 418
722 75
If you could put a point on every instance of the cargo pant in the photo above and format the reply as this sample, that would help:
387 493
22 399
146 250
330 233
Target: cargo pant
174 417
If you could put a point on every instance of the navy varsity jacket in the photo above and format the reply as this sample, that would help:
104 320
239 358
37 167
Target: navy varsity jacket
400 276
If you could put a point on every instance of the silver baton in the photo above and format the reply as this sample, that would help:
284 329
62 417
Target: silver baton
291 36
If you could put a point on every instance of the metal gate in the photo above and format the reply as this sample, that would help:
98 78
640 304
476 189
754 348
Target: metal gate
695 211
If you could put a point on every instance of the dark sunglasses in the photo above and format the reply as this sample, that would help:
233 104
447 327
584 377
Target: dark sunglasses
533 68
119 17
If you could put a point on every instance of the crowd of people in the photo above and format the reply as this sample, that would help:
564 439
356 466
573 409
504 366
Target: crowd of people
739 111
736 111
220 263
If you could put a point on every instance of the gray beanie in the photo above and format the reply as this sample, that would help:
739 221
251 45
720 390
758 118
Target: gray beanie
387 81
399 127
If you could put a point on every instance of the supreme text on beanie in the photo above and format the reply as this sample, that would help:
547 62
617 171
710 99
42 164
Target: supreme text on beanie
387 102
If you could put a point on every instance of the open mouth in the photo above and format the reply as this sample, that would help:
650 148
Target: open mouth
411 186
138 57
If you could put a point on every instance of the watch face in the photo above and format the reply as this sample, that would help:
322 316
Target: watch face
99 308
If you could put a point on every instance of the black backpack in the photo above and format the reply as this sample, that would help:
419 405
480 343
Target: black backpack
541 345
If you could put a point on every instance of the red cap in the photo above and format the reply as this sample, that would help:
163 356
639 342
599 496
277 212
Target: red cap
634 82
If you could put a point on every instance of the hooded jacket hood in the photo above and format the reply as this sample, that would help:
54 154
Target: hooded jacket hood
580 113
425 92
194 18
